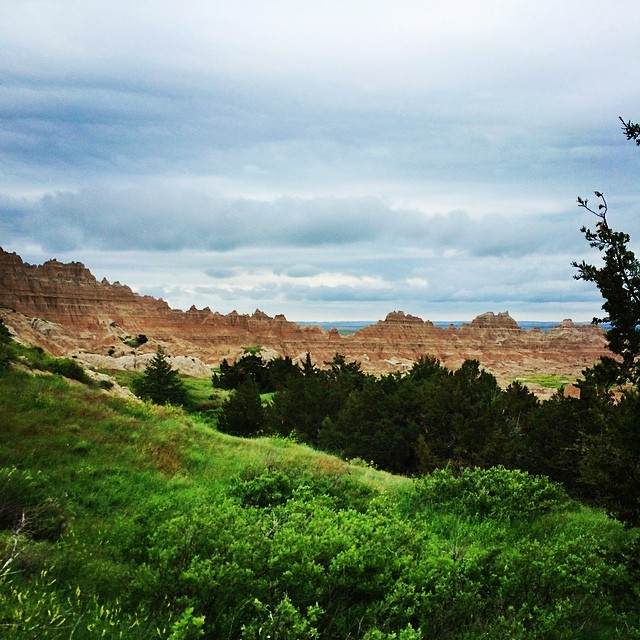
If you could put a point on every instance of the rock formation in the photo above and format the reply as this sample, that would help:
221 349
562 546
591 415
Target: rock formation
65 309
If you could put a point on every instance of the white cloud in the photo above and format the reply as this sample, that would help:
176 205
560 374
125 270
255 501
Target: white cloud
322 158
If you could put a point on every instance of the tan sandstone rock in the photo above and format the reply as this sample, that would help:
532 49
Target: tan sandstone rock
65 309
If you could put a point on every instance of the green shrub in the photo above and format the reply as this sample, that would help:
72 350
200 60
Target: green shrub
7 353
495 492
68 368
283 621
265 490
136 342
271 487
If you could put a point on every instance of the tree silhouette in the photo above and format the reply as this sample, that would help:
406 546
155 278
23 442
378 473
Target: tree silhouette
618 280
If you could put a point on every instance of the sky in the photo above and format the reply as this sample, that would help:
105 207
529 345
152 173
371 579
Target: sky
332 160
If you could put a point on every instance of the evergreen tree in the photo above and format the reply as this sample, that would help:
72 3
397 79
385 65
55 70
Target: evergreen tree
160 383
308 368
242 413
631 130
279 370
249 365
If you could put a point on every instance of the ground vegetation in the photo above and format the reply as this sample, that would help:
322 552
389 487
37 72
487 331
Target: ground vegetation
134 520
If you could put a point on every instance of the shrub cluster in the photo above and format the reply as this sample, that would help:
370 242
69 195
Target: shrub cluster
289 560
432 417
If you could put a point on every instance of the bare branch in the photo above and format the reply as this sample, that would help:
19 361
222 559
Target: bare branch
600 212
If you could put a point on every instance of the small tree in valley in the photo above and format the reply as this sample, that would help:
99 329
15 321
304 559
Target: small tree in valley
160 383
5 345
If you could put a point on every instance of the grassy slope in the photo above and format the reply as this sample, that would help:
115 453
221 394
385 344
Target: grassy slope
79 436
107 461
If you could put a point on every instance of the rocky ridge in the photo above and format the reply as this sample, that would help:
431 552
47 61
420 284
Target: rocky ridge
66 310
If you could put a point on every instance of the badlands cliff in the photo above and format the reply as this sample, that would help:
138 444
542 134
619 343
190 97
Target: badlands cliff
66 310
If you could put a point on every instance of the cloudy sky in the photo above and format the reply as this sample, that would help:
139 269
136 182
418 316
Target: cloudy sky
326 160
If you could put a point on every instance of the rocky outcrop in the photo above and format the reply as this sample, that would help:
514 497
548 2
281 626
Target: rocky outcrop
65 309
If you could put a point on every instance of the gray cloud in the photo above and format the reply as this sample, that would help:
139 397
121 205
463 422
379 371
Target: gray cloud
158 219
334 158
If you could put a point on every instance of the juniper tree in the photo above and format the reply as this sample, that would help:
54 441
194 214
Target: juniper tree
618 280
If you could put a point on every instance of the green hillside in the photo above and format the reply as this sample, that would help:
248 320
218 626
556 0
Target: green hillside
128 520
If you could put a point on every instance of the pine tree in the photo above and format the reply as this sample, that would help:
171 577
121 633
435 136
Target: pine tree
160 383
6 354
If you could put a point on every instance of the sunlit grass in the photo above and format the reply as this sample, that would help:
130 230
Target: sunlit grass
548 381
106 453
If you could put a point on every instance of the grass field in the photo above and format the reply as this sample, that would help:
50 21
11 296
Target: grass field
547 381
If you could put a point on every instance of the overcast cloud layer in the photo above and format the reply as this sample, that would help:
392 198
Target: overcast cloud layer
334 160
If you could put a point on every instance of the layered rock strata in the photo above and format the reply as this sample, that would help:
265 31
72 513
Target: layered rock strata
65 309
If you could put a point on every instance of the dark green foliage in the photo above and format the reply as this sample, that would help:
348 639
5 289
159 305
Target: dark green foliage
308 368
268 375
280 371
251 365
160 383
28 506
68 368
610 459
408 424
304 405
380 423
36 358
609 454
428 369
242 413
550 436
5 335
631 130
6 352
348 375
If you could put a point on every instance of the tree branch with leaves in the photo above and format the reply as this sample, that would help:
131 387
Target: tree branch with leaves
618 280
631 130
